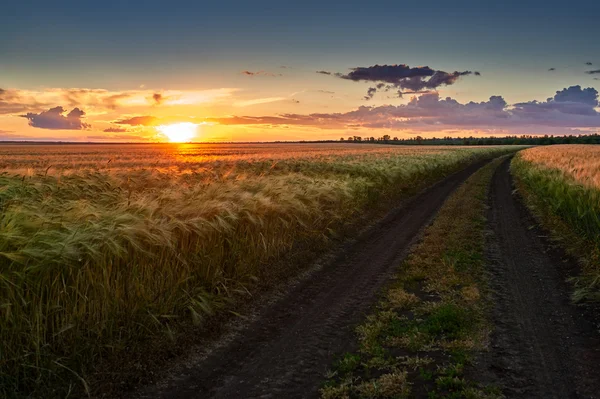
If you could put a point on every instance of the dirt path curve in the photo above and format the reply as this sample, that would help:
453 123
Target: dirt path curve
543 346
287 350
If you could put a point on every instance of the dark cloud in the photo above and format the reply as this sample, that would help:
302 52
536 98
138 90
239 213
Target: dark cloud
145 120
370 93
552 69
403 77
329 73
54 119
158 98
260 73
576 94
588 63
595 71
115 130
568 109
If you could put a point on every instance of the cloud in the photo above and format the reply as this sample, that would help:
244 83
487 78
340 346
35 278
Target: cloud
247 103
568 109
115 130
593 72
260 73
13 101
588 63
54 119
158 98
370 93
328 73
145 120
403 77
552 69
576 94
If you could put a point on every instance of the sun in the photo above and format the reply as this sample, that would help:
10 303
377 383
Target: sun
179 132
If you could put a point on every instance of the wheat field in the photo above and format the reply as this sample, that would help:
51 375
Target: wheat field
104 245
563 184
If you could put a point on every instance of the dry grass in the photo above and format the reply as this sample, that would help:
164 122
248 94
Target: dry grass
562 186
101 246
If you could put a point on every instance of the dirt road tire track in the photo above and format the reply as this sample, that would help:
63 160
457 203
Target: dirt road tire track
543 346
288 349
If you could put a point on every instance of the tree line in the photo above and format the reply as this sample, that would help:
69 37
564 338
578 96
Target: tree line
505 140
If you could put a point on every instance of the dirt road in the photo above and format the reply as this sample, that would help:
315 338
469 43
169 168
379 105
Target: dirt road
286 352
543 346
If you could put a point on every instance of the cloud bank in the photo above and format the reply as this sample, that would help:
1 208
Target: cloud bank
568 109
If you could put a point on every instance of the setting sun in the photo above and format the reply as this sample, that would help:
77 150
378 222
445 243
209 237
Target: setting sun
179 132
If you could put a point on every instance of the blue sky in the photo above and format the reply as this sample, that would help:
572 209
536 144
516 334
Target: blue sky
197 46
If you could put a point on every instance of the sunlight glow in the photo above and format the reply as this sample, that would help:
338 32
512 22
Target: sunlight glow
179 132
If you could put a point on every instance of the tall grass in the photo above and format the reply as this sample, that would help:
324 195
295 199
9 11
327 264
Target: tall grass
101 247
562 183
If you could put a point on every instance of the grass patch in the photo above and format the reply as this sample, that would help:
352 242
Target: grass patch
432 321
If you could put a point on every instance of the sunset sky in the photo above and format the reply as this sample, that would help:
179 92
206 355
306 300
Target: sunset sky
276 70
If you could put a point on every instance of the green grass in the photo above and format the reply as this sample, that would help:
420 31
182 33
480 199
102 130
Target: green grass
433 320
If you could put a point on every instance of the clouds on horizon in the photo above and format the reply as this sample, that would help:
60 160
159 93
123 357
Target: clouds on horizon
55 119
570 108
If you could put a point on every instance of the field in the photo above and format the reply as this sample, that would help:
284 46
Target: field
104 246
562 184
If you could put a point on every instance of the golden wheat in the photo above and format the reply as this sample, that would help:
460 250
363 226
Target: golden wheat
103 245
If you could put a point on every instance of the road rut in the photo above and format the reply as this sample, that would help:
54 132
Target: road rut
543 346
288 349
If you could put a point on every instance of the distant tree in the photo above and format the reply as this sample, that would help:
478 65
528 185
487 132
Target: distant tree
386 137
350 138
372 139
395 138
341 139
419 140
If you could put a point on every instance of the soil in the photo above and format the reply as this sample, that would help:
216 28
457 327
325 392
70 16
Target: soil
543 346
286 351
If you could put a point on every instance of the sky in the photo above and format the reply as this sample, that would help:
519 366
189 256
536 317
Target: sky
268 70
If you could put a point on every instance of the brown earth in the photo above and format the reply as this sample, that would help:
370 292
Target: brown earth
543 345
